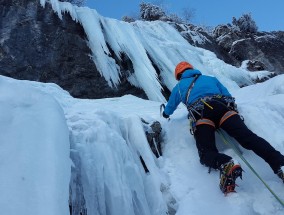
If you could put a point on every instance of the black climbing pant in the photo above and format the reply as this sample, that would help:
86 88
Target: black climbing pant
235 127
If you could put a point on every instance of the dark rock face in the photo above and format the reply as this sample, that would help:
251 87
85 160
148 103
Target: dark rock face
267 48
153 133
36 45
233 46
255 66
206 41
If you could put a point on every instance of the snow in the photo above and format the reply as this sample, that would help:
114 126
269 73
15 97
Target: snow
238 41
106 137
197 37
34 156
259 75
42 127
267 37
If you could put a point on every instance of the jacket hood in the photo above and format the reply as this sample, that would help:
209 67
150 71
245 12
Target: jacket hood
190 73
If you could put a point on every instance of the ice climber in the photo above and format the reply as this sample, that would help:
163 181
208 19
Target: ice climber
211 106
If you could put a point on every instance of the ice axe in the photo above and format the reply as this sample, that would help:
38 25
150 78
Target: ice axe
162 108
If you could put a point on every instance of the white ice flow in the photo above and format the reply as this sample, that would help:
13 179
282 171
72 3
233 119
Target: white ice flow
147 44
107 138
42 127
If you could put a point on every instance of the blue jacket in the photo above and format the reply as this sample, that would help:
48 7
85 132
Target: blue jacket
203 86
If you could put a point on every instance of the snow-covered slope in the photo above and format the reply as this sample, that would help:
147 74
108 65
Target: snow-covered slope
107 139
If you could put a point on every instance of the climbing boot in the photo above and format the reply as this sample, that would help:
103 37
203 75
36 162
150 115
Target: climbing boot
229 172
280 173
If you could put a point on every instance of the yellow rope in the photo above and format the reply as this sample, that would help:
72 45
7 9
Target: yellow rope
207 104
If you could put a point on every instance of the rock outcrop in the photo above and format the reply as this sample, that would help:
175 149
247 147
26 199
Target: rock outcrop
233 46
35 44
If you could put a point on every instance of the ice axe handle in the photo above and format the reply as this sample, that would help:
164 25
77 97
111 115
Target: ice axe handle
162 108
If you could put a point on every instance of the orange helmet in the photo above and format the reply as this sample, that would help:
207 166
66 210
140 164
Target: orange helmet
181 67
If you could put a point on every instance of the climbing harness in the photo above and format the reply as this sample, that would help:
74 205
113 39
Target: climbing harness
190 88
226 116
197 109
204 102
205 121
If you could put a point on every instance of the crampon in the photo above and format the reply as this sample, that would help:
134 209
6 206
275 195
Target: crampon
229 172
